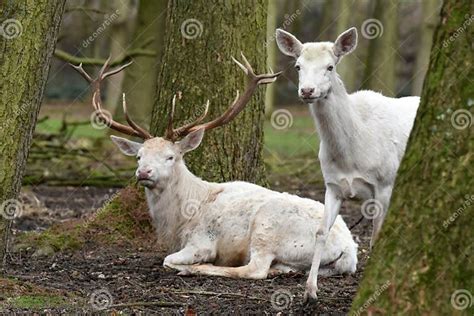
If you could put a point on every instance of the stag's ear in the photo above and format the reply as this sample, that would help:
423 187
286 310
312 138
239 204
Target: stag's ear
126 146
346 42
288 43
192 141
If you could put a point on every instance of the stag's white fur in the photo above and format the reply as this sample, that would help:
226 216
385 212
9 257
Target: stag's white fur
234 229
362 135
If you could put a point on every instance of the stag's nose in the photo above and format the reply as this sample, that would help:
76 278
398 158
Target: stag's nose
144 174
306 92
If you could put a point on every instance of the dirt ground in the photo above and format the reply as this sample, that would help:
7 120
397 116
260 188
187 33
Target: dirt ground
133 281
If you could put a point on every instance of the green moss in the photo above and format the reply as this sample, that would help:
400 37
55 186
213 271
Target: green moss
36 302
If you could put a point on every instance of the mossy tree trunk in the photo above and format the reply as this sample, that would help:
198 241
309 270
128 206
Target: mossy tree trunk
27 43
272 16
422 263
140 83
382 55
201 39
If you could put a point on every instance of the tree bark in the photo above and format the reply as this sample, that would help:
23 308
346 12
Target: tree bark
140 83
197 62
382 57
26 47
422 262
272 16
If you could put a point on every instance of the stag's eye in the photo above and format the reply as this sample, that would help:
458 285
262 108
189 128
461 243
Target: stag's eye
138 158
297 67
330 68
169 158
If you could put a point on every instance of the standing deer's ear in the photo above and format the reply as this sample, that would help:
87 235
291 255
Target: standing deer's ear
192 141
126 146
288 43
346 42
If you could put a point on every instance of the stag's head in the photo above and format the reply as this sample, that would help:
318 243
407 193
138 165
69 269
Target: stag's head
158 157
316 62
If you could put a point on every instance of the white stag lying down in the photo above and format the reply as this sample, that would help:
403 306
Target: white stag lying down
234 229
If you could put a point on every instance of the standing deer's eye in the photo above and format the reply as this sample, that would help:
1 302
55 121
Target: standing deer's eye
138 158
330 68
297 67
169 158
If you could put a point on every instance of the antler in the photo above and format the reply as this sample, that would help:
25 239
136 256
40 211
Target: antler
253 81
133 129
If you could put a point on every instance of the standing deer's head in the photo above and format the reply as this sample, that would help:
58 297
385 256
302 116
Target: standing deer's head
316 62
158 156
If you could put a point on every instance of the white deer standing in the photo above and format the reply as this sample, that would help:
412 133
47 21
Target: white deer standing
234 229
362 135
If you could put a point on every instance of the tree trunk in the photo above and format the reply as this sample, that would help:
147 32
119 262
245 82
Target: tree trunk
26 47
140 78
197 62
430 20
422 263
272 16
382 57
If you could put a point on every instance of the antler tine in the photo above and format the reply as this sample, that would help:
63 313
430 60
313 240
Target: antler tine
240 101
133 129
83 73
145 134
182 130
170 133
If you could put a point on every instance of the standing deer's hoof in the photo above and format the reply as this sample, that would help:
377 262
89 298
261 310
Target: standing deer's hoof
310 295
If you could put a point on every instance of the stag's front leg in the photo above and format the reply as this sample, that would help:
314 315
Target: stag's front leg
332 204
189 255
382 198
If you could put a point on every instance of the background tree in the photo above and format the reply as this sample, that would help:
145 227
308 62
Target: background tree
140 83
206 37
422 262
26 47
271 53
382 56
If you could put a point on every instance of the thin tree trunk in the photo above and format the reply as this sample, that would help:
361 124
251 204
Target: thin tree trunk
26 47
382 57
197 62
140 83
271 53
422 263
430 20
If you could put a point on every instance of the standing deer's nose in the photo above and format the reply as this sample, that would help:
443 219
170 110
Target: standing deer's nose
306 92
144 174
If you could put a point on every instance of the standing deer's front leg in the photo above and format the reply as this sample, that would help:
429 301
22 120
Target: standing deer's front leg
382 196
332 204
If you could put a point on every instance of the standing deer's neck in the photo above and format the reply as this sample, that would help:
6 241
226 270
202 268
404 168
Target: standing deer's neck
337 121
176 204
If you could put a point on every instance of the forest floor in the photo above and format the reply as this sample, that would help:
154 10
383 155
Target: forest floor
131 279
